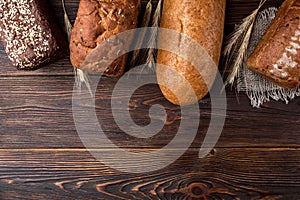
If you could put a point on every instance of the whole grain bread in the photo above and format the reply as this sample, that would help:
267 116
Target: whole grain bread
97 21
277 55
29 33
202 21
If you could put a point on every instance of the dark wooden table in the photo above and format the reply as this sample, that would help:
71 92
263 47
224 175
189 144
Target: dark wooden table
42 156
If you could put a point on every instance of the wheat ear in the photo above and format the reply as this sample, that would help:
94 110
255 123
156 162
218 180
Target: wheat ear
151 55
237 45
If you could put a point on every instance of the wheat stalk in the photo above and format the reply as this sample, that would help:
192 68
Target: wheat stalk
141 36
153 38
237 45
68 25
80 76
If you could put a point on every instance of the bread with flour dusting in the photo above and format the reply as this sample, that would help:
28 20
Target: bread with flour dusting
277 56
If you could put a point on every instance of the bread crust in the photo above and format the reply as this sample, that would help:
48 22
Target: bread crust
96 21
277 55
30 35
202 21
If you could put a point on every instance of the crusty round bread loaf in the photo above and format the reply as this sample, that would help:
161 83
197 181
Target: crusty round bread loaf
202 21
96 22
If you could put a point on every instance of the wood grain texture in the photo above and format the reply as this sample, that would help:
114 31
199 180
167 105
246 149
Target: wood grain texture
228 173
36 111
42 156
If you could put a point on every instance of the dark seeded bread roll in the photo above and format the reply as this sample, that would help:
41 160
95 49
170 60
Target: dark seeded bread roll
277 55
96 21
203 21
30 36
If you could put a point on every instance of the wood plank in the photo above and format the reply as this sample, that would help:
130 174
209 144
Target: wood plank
227 173
36 112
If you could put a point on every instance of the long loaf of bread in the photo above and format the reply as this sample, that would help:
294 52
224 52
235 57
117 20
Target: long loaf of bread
202 21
